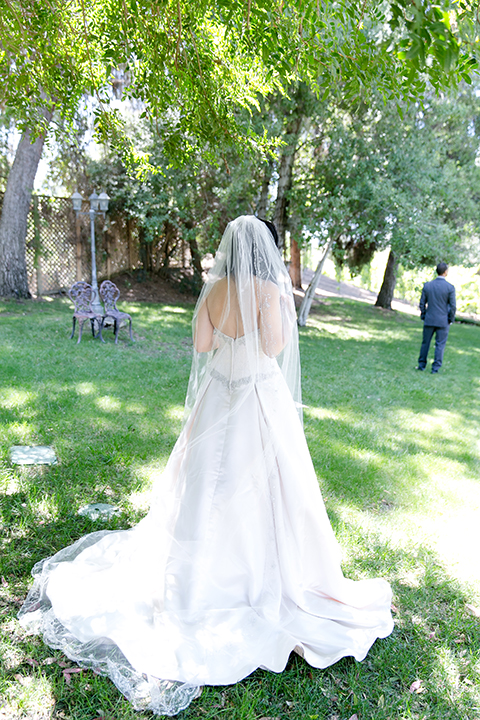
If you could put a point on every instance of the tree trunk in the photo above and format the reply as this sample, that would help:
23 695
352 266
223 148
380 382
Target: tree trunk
295 264
385 296
145 251
13 220
310 294
263 202
194 250
195 285
285 172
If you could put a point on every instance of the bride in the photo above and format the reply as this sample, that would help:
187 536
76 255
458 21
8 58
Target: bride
235 565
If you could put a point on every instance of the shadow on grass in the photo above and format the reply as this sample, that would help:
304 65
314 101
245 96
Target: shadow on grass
112 414
435 644
108 411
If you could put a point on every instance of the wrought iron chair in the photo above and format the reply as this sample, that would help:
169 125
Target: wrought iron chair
110 293
82 295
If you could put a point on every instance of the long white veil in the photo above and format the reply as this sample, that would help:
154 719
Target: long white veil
257 305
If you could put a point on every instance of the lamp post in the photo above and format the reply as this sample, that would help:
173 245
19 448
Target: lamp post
98 206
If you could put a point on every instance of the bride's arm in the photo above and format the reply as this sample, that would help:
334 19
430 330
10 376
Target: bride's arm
277 316
203 332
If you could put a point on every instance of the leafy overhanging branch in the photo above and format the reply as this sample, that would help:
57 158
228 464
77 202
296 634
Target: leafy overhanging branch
193 64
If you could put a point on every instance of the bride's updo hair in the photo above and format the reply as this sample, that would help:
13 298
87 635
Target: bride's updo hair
272 229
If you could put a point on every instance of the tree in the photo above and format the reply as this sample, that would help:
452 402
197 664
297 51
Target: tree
191 64
372 182
385 295
6 126
333 194
13 219
310 294
294 115
435 215
174 205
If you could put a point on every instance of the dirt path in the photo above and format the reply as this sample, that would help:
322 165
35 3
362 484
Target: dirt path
328 287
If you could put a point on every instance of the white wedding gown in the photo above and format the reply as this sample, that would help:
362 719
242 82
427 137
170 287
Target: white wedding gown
234 567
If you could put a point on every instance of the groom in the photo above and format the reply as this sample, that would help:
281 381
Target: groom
437 310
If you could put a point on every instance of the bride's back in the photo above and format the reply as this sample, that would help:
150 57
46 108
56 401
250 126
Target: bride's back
259 312
224 308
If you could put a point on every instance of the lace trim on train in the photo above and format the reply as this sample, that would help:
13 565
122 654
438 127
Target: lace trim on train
145 692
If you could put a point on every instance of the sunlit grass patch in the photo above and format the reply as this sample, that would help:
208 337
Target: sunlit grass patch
15 398
108 403
29 697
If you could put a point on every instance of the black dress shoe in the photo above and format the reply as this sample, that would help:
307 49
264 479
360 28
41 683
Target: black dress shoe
419 368
434 371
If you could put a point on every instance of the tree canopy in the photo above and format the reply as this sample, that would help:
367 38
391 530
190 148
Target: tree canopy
193 63
371 181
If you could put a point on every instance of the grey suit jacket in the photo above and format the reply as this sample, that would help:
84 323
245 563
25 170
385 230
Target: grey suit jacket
437 304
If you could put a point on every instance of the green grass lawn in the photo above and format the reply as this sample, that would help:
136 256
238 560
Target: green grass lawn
397 454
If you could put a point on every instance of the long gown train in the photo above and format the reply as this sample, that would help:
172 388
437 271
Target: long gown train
234 566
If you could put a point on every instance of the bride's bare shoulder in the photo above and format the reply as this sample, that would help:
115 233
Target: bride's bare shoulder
221 284
267 288
217 295
219 288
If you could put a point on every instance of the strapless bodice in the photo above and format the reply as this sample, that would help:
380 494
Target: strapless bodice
238 361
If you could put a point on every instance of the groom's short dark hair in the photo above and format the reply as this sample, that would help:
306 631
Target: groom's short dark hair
442 268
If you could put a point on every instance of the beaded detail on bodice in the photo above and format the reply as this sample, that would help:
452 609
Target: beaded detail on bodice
240 361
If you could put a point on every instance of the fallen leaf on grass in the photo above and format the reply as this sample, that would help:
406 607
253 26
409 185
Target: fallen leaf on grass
4 582
393 608
353 717
417 687
31 661
473 610
69 672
